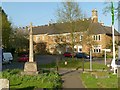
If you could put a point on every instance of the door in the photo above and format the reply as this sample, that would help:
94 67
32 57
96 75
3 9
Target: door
79 48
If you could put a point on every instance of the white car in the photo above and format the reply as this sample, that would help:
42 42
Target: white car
115 65
7 57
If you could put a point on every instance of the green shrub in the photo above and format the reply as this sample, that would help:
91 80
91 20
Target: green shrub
44 80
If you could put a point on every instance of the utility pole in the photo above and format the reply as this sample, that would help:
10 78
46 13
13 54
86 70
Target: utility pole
105 57
90 59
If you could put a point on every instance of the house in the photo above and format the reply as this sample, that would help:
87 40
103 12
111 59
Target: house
57 36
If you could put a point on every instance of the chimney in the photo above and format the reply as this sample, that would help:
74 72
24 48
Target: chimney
94 16
101 23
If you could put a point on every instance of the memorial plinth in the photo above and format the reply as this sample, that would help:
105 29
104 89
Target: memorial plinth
30 68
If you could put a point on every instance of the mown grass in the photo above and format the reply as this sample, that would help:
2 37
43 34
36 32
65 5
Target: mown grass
90 81
44 80
74 64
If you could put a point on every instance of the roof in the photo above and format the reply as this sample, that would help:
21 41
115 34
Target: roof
59 28
80 26
97 28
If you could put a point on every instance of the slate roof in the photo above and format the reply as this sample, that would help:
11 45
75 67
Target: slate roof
97 28
81 25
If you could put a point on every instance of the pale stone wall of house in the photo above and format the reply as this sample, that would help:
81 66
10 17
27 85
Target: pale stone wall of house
52 41
105 40
34 38
117 39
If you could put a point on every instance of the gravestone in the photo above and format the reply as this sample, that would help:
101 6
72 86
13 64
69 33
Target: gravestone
4 84
30 68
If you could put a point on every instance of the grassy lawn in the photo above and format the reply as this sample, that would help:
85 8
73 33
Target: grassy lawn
74 64
44 80
90 81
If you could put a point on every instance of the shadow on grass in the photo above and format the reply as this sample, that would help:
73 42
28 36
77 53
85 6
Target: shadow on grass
67 72
26 88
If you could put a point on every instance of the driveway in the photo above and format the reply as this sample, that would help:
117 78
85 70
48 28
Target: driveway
45 59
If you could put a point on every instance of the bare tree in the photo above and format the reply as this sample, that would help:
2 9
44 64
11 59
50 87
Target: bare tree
68 13
107 9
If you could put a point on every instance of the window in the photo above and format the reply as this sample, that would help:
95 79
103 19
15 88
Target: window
67 38
37 38
80 48
81 37
75 49
60 39
99 37
55 39
96 37
67 48
97 49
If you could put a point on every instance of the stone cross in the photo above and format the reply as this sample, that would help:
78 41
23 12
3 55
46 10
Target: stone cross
31 45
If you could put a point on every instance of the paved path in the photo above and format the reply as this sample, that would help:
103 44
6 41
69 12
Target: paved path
71 78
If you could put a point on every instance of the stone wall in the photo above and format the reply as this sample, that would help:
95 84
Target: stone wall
52 40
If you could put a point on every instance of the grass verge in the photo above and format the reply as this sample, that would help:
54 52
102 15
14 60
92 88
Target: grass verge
74 64
90 81
44 80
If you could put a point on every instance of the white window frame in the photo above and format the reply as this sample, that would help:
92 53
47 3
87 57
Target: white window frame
79 47
97 49
97 37
81 37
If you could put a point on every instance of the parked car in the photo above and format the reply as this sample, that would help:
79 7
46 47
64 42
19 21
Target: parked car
68 54
117 61
23 58
82 55
7 57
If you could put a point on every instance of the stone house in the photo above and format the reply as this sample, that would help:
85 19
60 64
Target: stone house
57 36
